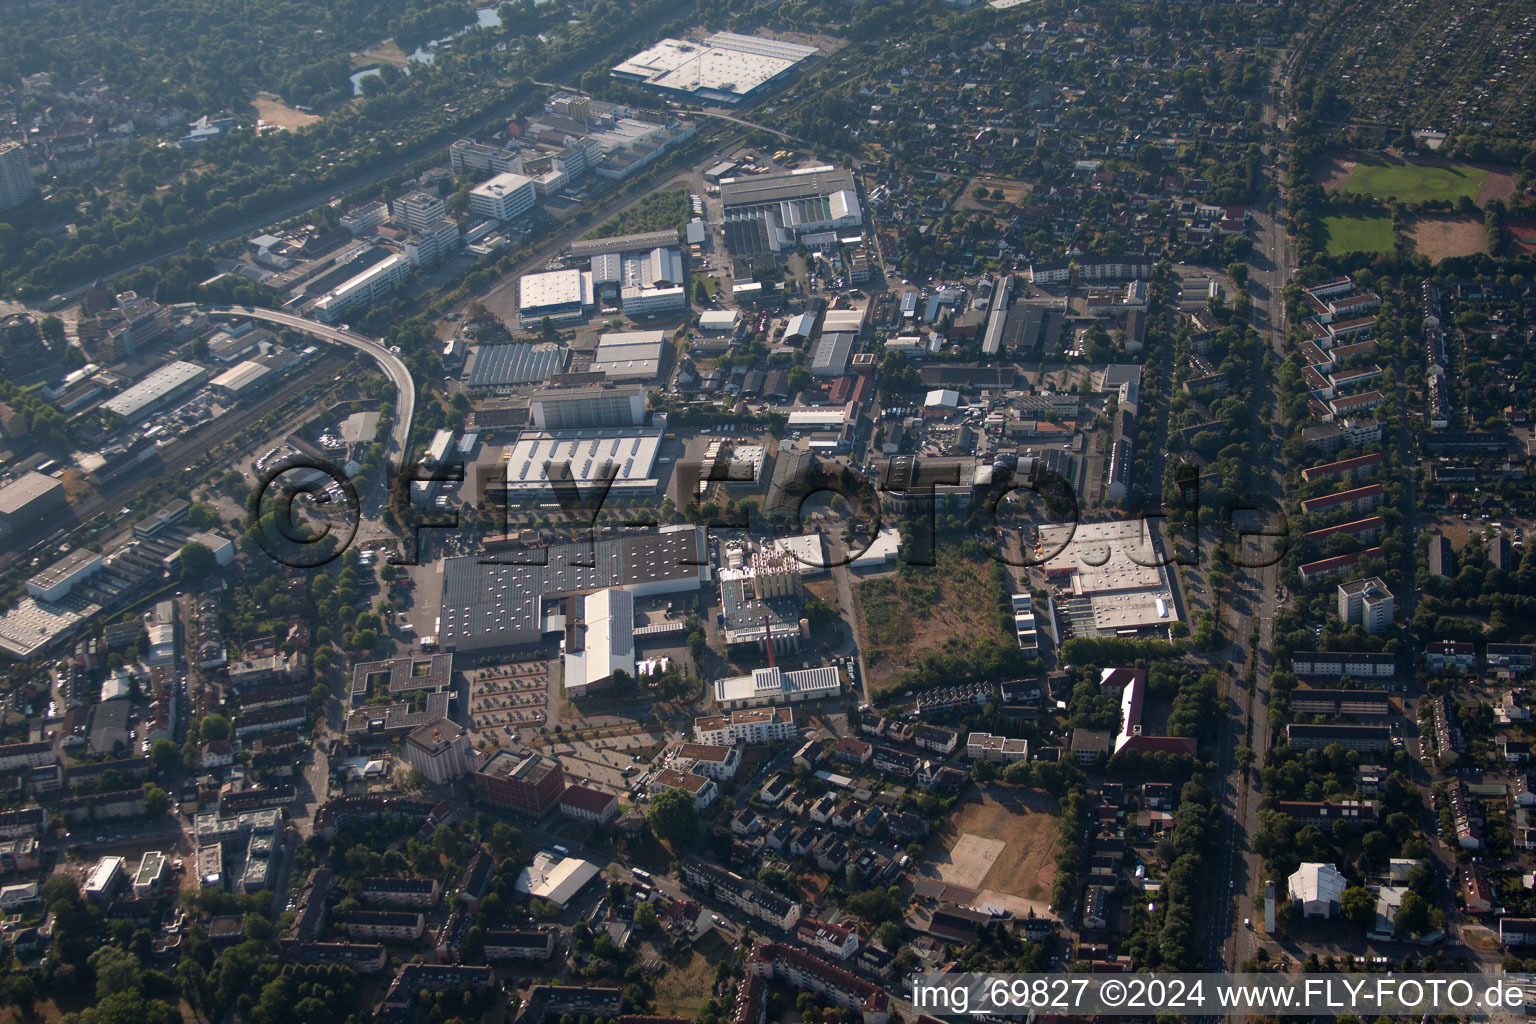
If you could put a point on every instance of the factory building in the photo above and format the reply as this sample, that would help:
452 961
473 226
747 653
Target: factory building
160 389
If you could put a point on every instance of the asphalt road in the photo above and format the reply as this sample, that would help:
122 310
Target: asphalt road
394 368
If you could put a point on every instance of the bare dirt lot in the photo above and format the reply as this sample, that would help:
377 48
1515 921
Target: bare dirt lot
273 110
1441 236
1004 846
1500 185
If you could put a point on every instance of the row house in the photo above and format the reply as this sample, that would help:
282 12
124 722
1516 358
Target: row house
748 896
1323 814
363 957
773 961
1373 739
1350 469
400 892
1358 499
384 926
1446 655
1336 703
529 944
1358 664
1515 659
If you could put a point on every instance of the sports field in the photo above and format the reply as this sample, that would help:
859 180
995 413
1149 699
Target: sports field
1345 234
1414 183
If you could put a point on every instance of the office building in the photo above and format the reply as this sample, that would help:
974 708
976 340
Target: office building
529 784
440 750
368 286
417 211
504 197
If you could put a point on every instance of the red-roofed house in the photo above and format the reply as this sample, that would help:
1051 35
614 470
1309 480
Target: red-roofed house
583 803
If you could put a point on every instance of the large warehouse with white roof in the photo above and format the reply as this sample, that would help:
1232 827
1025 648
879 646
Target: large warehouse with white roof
726 68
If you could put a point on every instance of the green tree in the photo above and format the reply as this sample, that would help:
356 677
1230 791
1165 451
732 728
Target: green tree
1358 906
156 801
673 817
165 755
117 970
1413 914
197 561
213 727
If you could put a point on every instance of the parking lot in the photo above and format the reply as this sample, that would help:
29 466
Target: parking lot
506 698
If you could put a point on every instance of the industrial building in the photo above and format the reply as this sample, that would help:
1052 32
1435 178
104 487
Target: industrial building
542 460
30 499
161 388
769 213
559 296
774 685
499 366
487 604
241 380
567 408
726 68
503 197
602 644
630 355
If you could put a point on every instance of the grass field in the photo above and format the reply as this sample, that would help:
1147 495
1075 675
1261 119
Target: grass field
944 608
1414 183
683 989
1344 234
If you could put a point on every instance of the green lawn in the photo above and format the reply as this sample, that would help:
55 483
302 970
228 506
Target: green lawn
1345 234
1395 179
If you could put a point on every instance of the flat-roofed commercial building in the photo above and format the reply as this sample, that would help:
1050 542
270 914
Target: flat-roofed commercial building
560 296
630 355
487 603
529 784
540 461
726 68
167 384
